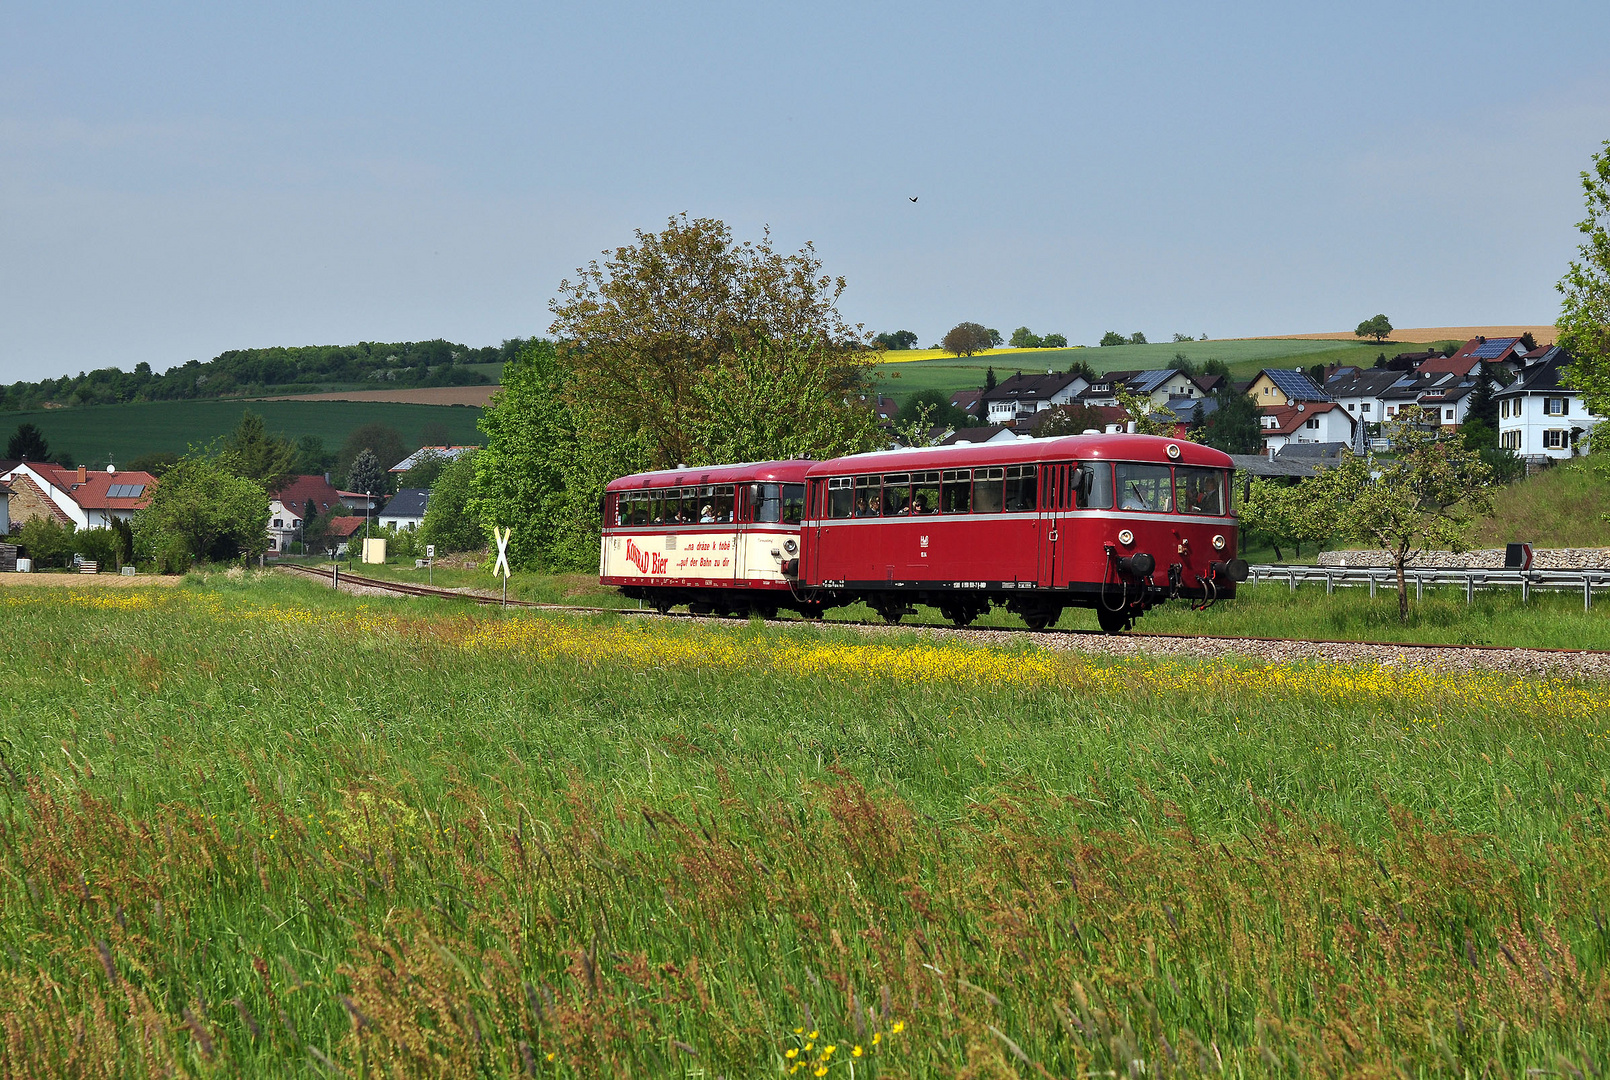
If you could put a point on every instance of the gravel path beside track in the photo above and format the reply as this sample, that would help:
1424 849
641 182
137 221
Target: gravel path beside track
1528 662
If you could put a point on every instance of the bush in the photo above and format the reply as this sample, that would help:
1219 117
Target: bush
1506 464
172 555
101 546
47 542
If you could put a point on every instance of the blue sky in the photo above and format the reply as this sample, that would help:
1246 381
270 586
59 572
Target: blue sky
177 179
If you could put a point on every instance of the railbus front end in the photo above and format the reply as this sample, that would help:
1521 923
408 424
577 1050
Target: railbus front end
716 539
1115 523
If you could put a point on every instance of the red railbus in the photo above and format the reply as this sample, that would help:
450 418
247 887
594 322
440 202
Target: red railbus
1116 523
715 538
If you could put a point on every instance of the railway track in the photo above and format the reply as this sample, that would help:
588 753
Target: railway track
405 589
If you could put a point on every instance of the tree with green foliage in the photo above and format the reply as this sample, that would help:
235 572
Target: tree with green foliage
549 456
1070 419
1234 425
48 542
778 400
1182 337
1083 369
638 330
898 341
927 409
215 514
965 339
366 476
1482 407
1113 337
312 459
1216 367
449 522
989 379
1584 322
1316 374
1024 338
1184 365
252 453
1149 419
428 465
1054 341
1423 496
157 463
995 339
384 441
1137 338
1281 514
27 443
1379 328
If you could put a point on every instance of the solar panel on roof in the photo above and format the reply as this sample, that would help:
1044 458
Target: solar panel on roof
1295 384
125 491
1493 348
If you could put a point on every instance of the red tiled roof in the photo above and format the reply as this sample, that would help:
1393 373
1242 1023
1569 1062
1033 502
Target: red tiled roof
1288 418
295 495
1457 364
345 526
92 493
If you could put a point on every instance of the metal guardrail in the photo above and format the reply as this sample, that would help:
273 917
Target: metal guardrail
1470 579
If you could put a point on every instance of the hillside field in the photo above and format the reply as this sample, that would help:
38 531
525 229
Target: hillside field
254 828
901 378
1564 506
126 431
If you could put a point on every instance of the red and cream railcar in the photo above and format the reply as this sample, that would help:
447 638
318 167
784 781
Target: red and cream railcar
1116 523
713 538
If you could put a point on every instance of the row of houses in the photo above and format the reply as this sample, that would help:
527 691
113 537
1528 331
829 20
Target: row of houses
92 499
1539 417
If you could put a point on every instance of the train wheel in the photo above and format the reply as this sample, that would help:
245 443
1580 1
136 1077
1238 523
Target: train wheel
1113 622
890 611
961 616
662 606
699 607
765 611
1044 617
812 612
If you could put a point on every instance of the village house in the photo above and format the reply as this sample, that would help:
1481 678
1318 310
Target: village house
1157 386
1506 352
1307 422
968 401
451 453
339 535
406 510
1539 417
84 498
288 508
1020 396
1281 386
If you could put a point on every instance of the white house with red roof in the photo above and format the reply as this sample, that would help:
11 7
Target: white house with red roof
1508 352
287 508
86 498
1307 422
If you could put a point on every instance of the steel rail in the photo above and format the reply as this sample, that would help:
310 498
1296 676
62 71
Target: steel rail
493 601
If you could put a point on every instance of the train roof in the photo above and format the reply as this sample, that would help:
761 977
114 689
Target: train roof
787 472
1021 451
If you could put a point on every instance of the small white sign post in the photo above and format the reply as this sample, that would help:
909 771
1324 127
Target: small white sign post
502 567
430 564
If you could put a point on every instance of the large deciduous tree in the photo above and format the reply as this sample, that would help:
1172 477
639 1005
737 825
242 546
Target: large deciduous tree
1423 497
449 523
1584 322
1379 327
965 339
214 513
639 330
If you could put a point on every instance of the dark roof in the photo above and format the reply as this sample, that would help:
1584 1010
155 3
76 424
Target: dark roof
1295 384
982 433
408 503
1258 465
1192 409
1369 383
1021 387
1541 377
1313 450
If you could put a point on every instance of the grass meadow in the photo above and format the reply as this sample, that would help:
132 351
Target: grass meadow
252 828
92 433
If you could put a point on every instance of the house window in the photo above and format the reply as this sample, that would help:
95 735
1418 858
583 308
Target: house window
1450 413
1554 406
1314 423
1364 408
278 523
1554 439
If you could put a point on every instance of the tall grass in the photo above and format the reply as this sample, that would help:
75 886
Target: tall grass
252 828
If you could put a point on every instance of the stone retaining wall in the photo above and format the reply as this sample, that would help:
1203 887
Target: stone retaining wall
1484 558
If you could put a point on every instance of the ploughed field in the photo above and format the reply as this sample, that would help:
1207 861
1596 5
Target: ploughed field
253 827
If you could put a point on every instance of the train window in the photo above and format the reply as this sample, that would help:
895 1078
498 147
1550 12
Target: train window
1144 487
793 503
688 507
656 506
925 493
896 494
956 491
840 502
723 503
765 503
1095 486
988 488
1020 488
868 497
1199 491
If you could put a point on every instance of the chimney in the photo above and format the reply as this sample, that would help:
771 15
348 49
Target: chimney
83 474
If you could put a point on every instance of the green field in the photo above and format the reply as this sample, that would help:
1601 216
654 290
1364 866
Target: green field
252 828
1244 357
122 432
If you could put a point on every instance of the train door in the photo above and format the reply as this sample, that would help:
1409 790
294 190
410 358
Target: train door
1055 481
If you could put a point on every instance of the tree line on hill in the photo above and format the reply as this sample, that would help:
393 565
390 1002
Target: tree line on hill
399 365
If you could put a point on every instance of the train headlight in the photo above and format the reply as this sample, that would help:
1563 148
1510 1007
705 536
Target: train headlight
1174 451
1125 537
791 546
1218 543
